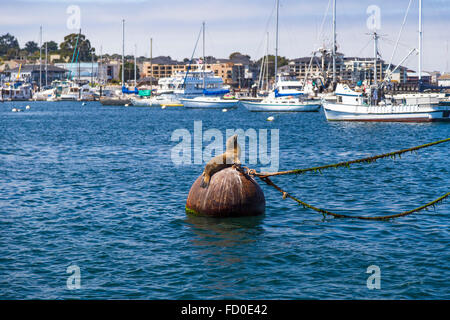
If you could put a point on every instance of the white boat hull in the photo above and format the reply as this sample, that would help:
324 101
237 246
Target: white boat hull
153 102
280 107
390 113
209 104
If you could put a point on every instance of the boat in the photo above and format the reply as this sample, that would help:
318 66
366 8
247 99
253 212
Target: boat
45 95
154 101
359 106
282 104
204 102
373 105
17 91
190 83
116 98
288 95
212 96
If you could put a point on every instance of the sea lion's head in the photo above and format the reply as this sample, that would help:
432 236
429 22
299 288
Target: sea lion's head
232 143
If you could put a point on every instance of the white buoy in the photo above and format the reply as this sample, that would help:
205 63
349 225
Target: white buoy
271 118
27 107
14 110
126 105
224 110
83 104
163 107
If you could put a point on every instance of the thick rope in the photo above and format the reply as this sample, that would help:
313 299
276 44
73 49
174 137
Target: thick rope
265 177
348 163
337 215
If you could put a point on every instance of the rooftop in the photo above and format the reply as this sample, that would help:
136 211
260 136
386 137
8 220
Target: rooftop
36 67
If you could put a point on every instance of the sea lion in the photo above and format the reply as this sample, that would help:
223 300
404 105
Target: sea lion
225 160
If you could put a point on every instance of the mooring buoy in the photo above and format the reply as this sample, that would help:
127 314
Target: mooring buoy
230 193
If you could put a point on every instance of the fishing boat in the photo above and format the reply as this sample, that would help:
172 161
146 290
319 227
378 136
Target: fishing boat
359 106
374 105
17 91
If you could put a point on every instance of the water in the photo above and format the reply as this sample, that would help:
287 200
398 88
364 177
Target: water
95 187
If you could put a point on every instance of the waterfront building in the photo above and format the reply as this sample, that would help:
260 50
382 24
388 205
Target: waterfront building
234 74
444 80
30 73
348 69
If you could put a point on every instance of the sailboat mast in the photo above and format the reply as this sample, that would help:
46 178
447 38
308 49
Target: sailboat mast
204 58
334 41
420 40
123 52
100 73
375 53
46 65
40 58
151 66
267 63
276 43
135 61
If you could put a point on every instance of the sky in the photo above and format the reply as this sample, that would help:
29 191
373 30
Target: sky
236 25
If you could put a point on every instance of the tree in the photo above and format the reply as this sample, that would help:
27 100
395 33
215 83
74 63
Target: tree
31 47
52 46
240 56
281 61
129 71
7 42
83 47
12 53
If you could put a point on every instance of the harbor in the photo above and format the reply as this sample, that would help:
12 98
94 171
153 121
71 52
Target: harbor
184 176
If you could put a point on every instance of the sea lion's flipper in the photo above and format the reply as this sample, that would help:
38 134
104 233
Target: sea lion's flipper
205 181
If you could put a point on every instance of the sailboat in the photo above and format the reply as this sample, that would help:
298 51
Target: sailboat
209 99
119 100
279 101
373 105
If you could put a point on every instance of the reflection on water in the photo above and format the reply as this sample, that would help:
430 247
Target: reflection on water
224 232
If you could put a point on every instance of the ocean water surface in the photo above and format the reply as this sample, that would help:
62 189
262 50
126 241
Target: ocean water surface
95 187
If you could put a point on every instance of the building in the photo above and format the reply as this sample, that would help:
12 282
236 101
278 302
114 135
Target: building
444 80
232 73
348 69
84 71
30 73
413 77
162 67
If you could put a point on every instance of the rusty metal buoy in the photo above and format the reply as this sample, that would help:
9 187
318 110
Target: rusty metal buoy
231 193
